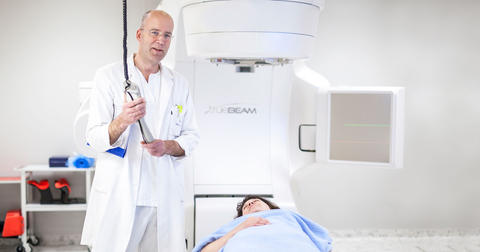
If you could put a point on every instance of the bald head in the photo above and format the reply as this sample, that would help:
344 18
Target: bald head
154 37
154 13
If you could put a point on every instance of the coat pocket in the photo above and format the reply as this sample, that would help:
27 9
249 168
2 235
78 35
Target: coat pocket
176 121
174 131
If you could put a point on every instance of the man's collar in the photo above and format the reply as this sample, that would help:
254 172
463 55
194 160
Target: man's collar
163 69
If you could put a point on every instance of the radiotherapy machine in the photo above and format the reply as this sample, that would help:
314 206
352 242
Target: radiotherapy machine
241 58
237 56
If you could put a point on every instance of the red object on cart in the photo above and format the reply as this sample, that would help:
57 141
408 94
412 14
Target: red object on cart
13 225
42 185
63 183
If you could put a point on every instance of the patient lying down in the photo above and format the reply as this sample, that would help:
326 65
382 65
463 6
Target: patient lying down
261 226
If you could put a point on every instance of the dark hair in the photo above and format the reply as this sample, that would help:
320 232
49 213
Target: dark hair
249 197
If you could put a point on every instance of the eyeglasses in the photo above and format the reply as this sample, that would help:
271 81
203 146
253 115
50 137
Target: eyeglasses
154 33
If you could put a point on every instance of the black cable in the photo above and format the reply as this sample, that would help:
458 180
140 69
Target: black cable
125 69
139 124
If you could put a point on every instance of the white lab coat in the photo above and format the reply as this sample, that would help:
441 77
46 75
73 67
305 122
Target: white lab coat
111 206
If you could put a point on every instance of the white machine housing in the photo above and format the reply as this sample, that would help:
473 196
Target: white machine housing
243 121
81 119
251 29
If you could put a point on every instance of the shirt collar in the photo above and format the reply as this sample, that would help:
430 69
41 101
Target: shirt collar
164 70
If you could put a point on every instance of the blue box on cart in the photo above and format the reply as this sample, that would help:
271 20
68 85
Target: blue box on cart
59 161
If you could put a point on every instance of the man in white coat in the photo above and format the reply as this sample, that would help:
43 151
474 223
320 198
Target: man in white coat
136 203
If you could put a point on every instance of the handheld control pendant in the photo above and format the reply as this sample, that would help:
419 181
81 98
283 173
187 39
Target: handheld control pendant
133 92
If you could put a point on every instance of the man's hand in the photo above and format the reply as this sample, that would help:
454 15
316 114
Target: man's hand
132 112
253 221
159 148
156 148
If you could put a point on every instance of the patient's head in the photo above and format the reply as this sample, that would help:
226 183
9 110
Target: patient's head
252 203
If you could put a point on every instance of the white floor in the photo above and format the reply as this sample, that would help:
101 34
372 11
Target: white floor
440 240
406 244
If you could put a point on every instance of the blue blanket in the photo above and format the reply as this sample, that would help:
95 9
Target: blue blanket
287 231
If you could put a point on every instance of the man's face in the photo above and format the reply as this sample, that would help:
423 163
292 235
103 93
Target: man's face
154 37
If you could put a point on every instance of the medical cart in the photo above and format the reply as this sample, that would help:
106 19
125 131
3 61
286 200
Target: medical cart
28 238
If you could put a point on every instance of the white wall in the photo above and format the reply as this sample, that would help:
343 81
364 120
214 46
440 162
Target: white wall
46 48
431 48
428 46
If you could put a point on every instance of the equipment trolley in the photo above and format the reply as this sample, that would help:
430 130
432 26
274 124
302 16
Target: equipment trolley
28 238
